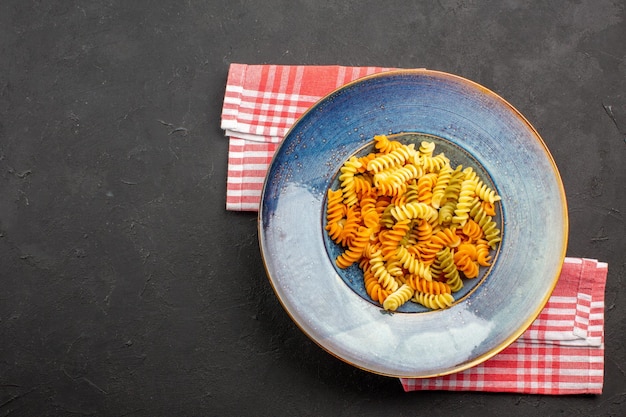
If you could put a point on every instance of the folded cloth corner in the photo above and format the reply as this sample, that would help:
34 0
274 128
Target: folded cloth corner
562 352
261 103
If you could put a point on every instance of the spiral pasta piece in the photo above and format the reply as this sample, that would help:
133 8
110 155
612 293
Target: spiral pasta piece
472 231
443 179
390 241
335 230
434 163
467 249
453 188
412 194
424 231
355 249
398 297
449 269
346 178
385 279
370 251
489 208
362 183
482 253
381 204
436 270
364 160
470 174
396 270
369 214
485 193
403 174
434 301
430 287
465 264
443 238
387 184
447 237
335 210
350 226
427 252
464 203
490 229
411 237
396 157
414 211
335 215
384 145
382 176
425 185
412 264
372 286
386 218
446 213
426 149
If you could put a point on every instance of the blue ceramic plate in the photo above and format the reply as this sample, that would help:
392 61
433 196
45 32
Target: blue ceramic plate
473 127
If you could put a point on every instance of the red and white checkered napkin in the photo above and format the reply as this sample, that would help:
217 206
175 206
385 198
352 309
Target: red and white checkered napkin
562 352
260 105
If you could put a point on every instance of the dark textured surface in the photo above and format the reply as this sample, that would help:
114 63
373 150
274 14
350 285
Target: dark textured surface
127 289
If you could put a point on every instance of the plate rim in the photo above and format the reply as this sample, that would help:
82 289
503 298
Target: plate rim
557 177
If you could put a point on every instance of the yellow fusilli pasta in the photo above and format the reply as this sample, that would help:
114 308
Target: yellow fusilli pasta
398 297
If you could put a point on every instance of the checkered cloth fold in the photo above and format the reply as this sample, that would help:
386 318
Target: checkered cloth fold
261 103
562 352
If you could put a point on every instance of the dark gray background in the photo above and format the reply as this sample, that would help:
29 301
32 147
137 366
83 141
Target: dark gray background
128 290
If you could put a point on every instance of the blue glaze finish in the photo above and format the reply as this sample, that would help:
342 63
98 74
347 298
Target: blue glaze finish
327 306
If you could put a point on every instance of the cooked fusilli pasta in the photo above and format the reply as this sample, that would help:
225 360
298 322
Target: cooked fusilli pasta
415 225
398 297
